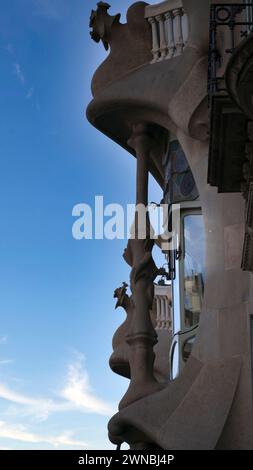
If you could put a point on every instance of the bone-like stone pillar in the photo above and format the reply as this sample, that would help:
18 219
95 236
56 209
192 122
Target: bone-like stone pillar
155 40
158 313
162 312
170 34
163 45
141 336
167 325
141 142
178 32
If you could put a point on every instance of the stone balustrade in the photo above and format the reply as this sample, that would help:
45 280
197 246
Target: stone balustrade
162 298
169 25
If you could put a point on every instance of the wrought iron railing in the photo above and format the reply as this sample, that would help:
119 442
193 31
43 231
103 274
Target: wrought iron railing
229 25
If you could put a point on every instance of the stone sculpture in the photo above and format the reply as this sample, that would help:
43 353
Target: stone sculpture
101 23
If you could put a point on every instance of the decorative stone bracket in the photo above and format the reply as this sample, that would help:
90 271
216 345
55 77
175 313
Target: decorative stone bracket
101 23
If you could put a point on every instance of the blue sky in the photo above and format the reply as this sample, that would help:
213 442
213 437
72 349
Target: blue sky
56 293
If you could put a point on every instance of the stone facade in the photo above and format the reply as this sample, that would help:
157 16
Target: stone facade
144 103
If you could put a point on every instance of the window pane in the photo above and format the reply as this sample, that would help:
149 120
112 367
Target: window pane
175 361
187 348
194 271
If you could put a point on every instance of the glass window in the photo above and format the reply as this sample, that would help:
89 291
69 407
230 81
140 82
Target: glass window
194 267
174 360
187 348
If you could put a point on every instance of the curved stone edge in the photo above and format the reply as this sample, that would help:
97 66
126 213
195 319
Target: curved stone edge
197 421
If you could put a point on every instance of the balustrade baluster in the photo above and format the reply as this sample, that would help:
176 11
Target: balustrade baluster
178 32
170 34
163 44
155 40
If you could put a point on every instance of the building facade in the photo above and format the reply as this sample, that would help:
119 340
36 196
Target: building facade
176 92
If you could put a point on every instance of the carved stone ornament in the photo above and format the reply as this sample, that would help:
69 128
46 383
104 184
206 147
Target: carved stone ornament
101 23
141 335
119 361
121 295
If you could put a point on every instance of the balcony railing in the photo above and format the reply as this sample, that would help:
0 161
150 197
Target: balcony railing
229 25
169 25
163 307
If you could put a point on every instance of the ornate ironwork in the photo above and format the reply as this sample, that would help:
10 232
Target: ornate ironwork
233 16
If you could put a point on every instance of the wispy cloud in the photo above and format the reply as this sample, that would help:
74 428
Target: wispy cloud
18 72
3 339
20 75
9 48
4 362
76 395
19 399
37 106
29 93
78 391
25 405
21 433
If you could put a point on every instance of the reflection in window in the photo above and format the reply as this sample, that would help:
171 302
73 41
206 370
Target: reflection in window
194 272
175 361
187 348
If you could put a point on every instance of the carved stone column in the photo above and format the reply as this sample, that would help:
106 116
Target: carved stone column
163 316
167 325
155 40
163 45
170 34
158 313
141 336
178 32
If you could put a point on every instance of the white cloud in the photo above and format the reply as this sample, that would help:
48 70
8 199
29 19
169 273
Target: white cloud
4 362
9 395
78 391
3 339
19 432
77 394
25 405
18 72
37 106
29 93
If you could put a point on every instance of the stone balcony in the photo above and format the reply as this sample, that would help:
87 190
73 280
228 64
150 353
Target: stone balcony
137 83
162 296
170 29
